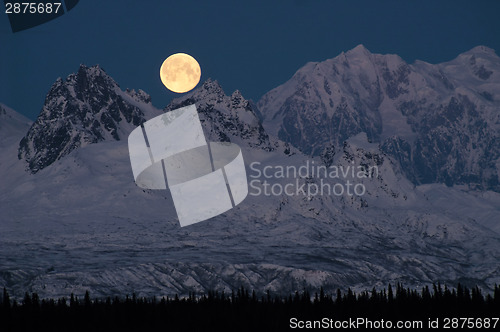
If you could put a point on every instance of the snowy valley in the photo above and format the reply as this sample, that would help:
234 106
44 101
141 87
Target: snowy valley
72 218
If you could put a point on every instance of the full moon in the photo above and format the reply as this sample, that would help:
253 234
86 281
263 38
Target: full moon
180 72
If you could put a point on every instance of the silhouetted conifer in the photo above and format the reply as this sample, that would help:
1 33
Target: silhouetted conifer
5 299
241 311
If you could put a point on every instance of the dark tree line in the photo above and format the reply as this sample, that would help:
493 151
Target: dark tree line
240 310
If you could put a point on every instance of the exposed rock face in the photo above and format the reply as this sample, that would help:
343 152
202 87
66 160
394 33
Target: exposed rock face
440 121
87 107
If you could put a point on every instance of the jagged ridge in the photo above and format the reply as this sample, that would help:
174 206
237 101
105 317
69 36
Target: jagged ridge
440 121
88 107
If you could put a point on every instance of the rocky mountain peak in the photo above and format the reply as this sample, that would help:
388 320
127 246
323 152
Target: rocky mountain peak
435 119
139 95
226 118
358 51
87 107
210 88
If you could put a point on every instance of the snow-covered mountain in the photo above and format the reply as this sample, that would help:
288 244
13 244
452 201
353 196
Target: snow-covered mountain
12 125
226 118
441 122
88 107
80 223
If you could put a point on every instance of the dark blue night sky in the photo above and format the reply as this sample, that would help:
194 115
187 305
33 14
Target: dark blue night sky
252 46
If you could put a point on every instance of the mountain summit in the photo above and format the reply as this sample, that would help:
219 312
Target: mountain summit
226 118
81 223
441 121
86 107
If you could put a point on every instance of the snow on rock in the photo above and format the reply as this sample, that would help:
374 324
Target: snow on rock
441 121
85 108
80 223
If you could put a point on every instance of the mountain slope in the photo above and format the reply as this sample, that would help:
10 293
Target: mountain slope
226 118
441 121
12 125
88 107
80 223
